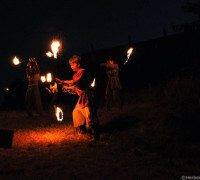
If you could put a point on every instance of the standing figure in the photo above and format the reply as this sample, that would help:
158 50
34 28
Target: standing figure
113 85
84 113
33 98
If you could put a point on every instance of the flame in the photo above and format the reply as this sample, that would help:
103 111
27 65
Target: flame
43 78
49 78
59 114
55 48
54 88
93 83
16 61
49 54
129 52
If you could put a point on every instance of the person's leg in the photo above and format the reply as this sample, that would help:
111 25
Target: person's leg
37 100
79 120
28 101
92 122
116 97
108 98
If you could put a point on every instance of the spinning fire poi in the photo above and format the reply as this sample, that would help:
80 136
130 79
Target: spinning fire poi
16 61
43 79
129 52
93 83
47 78
55 47
59 113
53 89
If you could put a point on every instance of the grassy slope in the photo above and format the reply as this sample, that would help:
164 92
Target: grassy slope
134 145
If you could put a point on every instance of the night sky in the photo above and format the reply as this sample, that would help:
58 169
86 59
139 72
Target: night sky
27 27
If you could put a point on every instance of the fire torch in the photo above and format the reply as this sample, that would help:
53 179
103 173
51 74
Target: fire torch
55 48
16 61
129 52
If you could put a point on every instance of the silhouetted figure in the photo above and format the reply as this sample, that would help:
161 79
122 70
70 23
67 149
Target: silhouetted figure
84 113
33 98
113 85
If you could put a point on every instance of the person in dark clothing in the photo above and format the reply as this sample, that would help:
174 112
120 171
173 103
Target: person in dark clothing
33 98
84 114
113 86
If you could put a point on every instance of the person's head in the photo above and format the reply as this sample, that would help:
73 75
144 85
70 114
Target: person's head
32 59
75 62
110 61
32 66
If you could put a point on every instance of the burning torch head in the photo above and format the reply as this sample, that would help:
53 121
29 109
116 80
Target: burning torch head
55 46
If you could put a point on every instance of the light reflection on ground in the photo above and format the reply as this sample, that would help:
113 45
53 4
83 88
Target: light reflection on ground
46 136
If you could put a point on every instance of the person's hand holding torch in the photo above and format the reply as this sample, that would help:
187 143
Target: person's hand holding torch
59 80
69 89
69 82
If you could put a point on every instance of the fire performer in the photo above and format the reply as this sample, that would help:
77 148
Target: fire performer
84 114
33 98
113 85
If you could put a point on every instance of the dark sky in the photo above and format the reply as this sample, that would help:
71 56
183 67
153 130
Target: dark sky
27 27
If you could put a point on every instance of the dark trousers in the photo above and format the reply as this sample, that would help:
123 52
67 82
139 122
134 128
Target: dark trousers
33 100
113 94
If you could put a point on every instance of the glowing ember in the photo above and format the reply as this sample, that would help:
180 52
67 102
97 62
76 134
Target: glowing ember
49 78
55 48
93 83
43 78
129 52
16 61
49 54
59 114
